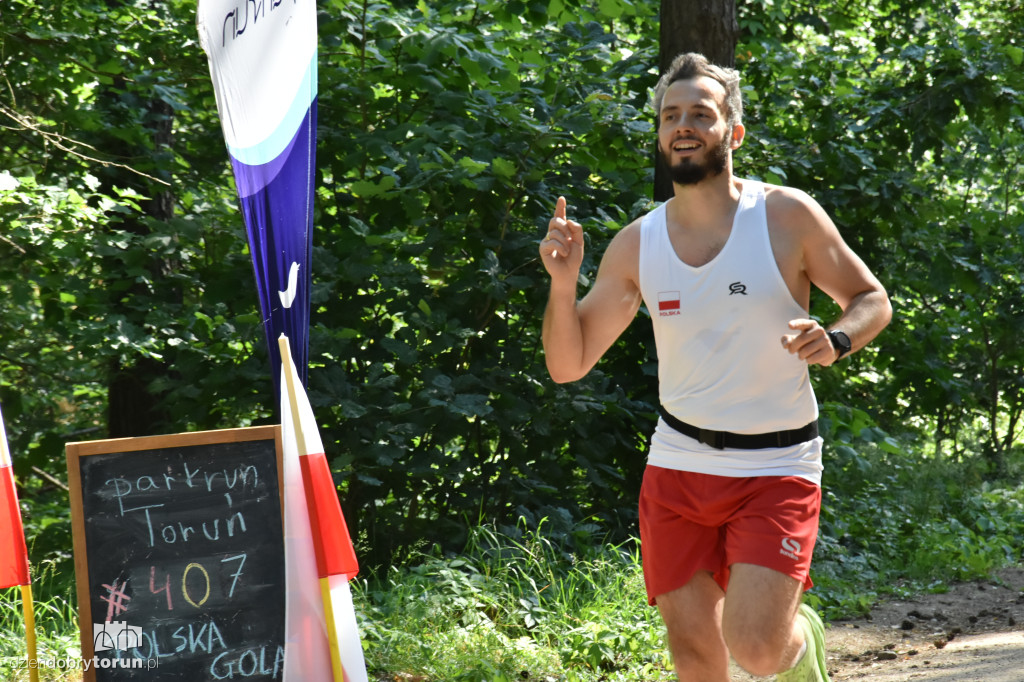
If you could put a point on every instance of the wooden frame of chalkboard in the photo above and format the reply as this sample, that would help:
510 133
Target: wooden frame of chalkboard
179 555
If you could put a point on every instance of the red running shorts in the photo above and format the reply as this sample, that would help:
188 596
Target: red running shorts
693 522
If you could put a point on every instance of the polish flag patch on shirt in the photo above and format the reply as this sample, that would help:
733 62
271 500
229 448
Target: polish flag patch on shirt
668 302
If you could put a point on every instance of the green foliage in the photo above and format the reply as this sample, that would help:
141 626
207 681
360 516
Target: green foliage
452 130
531 605
896 522
459 126
905 122
57 641
120 247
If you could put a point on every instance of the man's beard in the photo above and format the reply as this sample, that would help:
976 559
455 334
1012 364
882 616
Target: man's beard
686 172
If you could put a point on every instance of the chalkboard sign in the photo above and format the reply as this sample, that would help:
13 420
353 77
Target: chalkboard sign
179 556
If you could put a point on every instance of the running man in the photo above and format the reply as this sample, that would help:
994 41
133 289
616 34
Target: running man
732 490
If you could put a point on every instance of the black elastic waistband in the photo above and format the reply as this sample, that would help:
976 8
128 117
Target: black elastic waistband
743 441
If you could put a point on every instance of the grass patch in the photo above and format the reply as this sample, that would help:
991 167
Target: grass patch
518 605
57 640
515 606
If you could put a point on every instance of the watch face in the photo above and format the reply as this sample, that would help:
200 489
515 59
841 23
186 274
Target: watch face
840 341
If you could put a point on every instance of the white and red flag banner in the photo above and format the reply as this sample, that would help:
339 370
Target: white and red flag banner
13 553
321 631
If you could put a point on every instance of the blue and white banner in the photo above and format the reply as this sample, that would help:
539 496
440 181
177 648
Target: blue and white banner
263 62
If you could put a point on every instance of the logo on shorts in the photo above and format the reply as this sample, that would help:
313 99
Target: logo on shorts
790 548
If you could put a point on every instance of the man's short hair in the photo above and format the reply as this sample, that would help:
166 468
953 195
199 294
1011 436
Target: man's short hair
693 65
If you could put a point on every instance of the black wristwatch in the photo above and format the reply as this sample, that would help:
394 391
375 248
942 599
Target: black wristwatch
840 341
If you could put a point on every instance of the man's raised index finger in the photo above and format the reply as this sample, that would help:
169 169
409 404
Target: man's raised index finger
560 208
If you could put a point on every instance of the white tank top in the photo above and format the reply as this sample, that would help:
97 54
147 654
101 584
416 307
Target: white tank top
721 364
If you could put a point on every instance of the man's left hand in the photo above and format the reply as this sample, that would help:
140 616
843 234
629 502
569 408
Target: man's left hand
810 343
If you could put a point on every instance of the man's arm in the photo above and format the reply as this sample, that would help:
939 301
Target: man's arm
832 266
577 334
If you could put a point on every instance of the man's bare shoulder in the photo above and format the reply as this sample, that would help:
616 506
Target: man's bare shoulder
794 211
630 234
623 254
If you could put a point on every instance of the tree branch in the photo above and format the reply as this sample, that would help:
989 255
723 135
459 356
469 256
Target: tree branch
69 145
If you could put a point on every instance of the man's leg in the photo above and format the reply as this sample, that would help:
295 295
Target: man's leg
769 544
759 620
693 617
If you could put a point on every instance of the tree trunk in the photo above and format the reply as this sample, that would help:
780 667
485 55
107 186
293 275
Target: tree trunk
133 405
705 26
133 409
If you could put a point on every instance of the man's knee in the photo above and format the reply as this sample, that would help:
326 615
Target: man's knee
699 653
757 649
692 615
696 644
759 619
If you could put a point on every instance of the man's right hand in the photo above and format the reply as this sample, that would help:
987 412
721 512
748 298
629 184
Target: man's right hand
561 250
577 333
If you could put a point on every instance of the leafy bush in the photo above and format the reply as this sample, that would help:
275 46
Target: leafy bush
449 132
897 521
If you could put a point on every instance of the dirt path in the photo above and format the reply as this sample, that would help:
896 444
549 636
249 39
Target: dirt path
973 633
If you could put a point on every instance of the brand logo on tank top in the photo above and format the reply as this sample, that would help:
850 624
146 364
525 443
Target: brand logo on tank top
790 548
737 288
668 303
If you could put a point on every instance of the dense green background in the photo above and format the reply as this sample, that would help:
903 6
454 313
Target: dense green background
446 131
